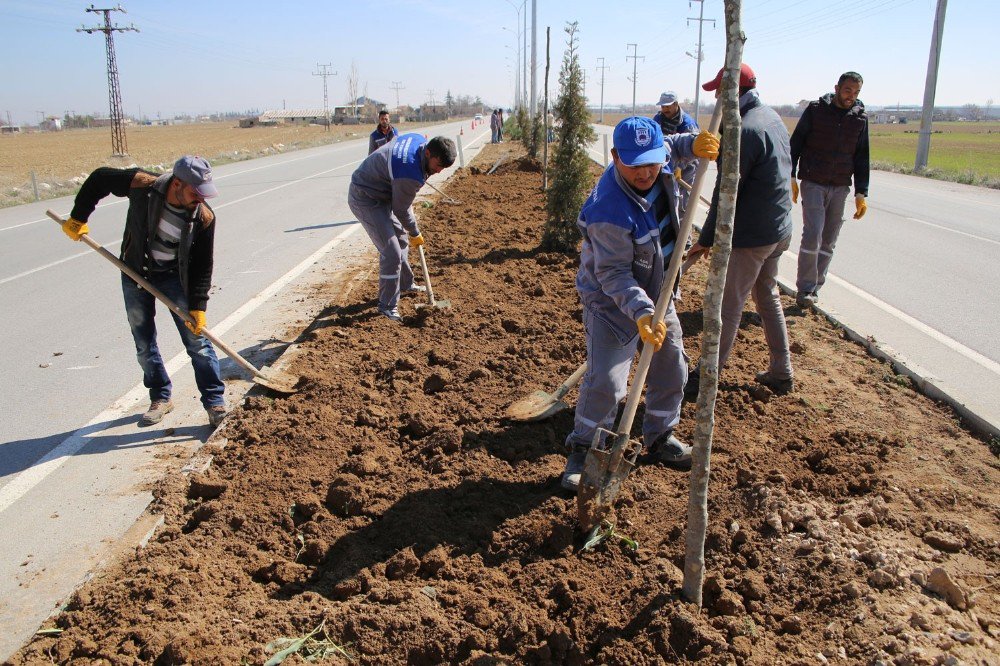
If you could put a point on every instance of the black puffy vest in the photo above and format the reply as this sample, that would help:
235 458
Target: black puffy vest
828 155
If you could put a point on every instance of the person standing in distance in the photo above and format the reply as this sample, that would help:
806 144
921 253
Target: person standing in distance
169 240
381 195
830 147
383 134
672 119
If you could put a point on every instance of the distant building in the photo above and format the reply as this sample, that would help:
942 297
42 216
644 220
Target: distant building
9 129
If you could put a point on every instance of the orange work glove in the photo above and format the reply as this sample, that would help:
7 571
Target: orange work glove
199 321
860 206
417 241
648 334
795 191
706 145
75 228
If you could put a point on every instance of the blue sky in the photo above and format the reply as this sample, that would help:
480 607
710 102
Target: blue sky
217 55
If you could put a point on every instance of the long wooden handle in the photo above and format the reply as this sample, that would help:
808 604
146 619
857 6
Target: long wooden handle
160 296
568 385
666 291
427 276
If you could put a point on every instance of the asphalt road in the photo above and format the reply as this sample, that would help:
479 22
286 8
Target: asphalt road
75 471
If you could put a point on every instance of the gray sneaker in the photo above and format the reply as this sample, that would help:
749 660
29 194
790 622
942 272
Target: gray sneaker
414 289
392 314
574 468
779 386
215 415
805 299
670 451
157 410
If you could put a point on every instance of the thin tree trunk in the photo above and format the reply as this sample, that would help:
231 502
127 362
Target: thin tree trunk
545 114
694 557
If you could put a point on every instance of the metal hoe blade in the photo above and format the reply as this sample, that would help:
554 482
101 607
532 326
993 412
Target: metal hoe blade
604 472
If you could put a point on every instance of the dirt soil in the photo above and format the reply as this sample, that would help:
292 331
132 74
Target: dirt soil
853 521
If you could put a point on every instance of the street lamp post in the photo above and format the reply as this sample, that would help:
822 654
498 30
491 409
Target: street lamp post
520 97
517 70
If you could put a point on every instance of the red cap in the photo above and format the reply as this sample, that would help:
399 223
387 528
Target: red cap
747 78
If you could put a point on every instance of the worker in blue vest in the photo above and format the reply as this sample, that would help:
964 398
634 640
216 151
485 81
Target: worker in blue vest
381 194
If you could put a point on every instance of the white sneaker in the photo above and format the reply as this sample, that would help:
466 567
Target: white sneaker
392 314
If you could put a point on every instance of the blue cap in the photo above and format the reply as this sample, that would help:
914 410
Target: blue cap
638 141
196 172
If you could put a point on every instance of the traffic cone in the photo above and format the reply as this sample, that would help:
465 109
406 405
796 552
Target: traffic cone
461 132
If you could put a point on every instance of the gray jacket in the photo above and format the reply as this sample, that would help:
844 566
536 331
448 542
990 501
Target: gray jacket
375 180
764 197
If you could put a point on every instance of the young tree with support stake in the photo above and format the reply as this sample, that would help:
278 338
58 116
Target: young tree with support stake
570 182
694 558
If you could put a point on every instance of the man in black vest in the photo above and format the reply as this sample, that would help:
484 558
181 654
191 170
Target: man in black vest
830 146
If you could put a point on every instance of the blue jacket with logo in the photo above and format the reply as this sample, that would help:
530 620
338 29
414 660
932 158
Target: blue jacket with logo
621 260
393 175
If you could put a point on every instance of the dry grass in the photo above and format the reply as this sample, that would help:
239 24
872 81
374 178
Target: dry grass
61 159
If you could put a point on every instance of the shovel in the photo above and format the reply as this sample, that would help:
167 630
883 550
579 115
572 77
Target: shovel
431 303
269 377
541 405
445 197
608 460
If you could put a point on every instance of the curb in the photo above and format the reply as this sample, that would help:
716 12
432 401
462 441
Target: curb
923 382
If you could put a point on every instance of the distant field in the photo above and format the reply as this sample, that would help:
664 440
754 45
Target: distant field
963 152
59 157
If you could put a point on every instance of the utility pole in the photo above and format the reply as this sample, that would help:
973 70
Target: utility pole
534 58
524 55
397 86
324 72
930 88
602 67
635 63
118 146
699 54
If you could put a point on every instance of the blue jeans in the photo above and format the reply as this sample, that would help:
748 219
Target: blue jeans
140 307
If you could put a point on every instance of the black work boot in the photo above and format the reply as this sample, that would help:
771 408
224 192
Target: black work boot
779 386
670 451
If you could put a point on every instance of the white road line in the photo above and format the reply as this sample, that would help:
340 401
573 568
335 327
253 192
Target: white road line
31 477
955 231
54 263
960 198
117 202
956 346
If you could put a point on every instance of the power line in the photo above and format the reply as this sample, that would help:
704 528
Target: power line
325 73
635 62
699 54
397 86
601 66
118 145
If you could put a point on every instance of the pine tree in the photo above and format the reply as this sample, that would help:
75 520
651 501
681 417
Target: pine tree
570 180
